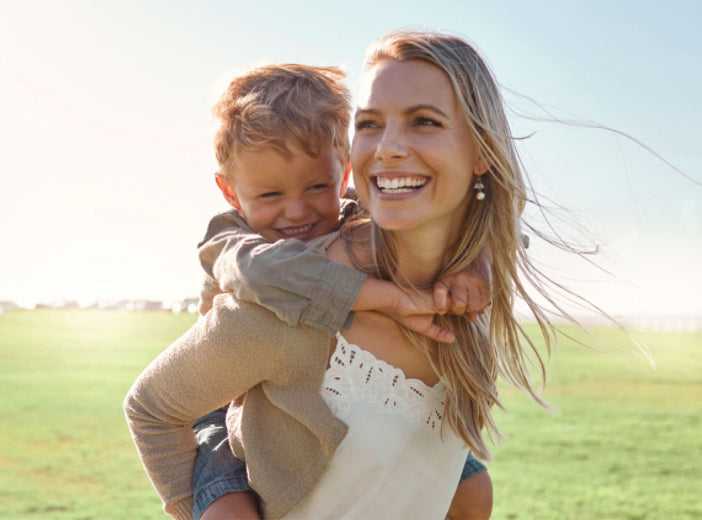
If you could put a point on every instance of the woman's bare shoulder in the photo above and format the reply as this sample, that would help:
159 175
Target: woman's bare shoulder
351 246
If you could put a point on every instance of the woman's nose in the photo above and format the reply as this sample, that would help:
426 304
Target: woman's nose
391 145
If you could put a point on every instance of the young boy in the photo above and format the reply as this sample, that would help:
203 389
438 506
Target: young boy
282 147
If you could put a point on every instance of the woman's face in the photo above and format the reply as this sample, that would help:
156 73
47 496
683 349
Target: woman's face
413 155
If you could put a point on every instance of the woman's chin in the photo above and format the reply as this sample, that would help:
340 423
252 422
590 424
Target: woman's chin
396 220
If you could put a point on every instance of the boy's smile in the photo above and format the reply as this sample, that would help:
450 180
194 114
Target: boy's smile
287 197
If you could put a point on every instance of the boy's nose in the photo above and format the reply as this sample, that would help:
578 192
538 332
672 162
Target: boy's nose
391 145
296 209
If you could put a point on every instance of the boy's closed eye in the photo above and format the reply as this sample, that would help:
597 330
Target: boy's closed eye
318 187
269 194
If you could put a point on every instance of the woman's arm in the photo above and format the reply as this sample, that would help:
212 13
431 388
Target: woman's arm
224 354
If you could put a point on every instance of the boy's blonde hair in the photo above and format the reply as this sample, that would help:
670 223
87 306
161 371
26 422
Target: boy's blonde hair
497 344
270 105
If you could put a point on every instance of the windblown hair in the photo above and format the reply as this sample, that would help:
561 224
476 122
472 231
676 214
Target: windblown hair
497 344
269 106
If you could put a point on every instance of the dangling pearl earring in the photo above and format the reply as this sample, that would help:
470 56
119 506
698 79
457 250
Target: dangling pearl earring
479 188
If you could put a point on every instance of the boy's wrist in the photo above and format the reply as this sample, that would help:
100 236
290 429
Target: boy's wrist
377 295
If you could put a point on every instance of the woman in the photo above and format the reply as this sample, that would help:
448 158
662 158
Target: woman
434 164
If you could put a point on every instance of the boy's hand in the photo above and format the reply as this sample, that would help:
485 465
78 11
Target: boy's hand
416 312
466 292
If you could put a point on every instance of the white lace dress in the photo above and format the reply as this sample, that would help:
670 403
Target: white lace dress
393 462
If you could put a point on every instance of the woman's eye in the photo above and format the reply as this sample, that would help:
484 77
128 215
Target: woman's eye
427 121
365 123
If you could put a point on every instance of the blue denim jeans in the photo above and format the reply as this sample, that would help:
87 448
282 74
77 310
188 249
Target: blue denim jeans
218 472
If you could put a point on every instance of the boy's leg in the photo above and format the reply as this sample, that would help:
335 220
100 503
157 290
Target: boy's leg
473 498
233 506
220 483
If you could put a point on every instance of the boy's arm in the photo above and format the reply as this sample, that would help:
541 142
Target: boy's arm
414 311
466 292
298 284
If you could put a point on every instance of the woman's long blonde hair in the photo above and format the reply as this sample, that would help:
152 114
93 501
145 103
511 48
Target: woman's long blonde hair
496 344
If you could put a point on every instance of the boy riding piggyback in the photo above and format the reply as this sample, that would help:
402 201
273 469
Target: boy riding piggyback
282 147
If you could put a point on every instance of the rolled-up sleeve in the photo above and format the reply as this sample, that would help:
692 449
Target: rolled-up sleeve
300 285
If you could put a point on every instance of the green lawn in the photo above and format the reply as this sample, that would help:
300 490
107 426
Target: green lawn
625 442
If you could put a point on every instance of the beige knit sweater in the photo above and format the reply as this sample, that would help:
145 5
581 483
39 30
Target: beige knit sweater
284 430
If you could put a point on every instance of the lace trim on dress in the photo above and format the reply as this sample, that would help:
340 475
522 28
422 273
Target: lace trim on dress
356 374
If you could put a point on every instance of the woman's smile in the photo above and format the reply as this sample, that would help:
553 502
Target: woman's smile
389 184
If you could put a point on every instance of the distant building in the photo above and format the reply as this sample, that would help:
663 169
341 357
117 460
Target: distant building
190 305
145 305
7 305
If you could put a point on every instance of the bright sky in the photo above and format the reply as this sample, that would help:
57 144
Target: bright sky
105 133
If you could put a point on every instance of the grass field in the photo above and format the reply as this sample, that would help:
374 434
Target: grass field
625 443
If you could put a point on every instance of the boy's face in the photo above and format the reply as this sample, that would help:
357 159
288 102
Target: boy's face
287 197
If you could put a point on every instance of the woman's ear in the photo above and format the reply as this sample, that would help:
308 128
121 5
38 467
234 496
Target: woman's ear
227 191
481 165
345 179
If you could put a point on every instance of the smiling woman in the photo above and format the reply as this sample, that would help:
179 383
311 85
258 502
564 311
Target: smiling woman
411 134
430 111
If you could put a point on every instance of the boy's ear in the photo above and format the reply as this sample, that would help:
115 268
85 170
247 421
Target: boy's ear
228 191
345 179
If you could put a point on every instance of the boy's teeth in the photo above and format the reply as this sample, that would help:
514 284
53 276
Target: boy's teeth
400 184
296 230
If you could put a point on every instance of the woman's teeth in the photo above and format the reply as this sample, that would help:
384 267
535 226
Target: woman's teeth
399 184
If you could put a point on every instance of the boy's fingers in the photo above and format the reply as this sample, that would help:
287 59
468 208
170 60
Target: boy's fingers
426 326
484 304
438 334
459 301
441 295
483 298
478 300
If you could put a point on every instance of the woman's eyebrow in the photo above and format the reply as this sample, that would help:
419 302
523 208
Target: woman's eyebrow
365 111
425 106
408 110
